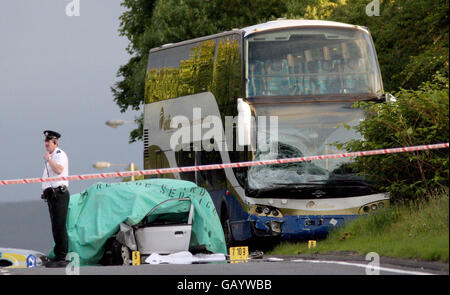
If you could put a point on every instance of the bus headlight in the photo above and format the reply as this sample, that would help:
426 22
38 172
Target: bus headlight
374 206
275 226
268 211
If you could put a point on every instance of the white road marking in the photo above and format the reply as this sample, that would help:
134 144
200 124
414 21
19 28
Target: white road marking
274 259
381 268
4 272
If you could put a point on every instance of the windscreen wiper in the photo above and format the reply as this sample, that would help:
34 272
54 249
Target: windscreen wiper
322 183
313 182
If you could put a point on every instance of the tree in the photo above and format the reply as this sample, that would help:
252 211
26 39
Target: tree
312 9
417 117
149 24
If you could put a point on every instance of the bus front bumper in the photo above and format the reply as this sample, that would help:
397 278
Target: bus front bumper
296 227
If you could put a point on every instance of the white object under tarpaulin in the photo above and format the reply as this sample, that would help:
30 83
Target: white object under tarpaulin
184 257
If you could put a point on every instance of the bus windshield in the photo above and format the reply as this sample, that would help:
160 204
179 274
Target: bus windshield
306 129
311 61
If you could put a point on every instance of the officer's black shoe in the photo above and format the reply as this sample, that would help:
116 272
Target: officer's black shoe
56 263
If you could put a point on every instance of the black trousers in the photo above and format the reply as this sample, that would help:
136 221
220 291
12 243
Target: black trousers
58 215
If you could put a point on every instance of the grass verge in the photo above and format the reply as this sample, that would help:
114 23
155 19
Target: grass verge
415 230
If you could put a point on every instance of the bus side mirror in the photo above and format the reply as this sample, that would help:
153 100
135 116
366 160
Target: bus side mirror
390 98
244 122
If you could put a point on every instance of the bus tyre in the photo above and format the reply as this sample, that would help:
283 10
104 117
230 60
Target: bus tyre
227 230
228 234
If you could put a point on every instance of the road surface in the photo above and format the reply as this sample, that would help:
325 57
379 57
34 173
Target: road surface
269 266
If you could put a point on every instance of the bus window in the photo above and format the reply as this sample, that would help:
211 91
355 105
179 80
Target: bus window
257 81
155 158
356 77
186 157
239 154
227 76
312 61
158 160
212 180
277 73
209 65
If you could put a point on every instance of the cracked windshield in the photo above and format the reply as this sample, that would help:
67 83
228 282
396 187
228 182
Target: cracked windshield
305 130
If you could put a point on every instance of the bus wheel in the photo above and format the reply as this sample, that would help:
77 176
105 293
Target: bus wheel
225 221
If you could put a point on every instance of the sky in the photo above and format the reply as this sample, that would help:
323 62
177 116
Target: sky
56 72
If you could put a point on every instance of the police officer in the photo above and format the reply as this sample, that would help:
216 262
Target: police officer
57 196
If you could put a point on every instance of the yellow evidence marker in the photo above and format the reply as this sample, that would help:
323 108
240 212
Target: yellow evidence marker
312 244
238 254
136 258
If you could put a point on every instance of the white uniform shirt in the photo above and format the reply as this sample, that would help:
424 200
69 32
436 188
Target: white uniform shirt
60 157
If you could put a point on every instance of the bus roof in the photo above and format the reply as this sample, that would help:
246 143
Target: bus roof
286 23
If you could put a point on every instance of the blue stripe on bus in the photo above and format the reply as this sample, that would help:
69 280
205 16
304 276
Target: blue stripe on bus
245 226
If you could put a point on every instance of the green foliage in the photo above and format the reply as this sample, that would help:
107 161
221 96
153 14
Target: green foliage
129 91
417 117
134 21
312 9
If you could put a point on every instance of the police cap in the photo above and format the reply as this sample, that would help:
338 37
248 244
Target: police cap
51 134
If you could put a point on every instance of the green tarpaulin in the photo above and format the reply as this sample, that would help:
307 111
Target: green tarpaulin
95 214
